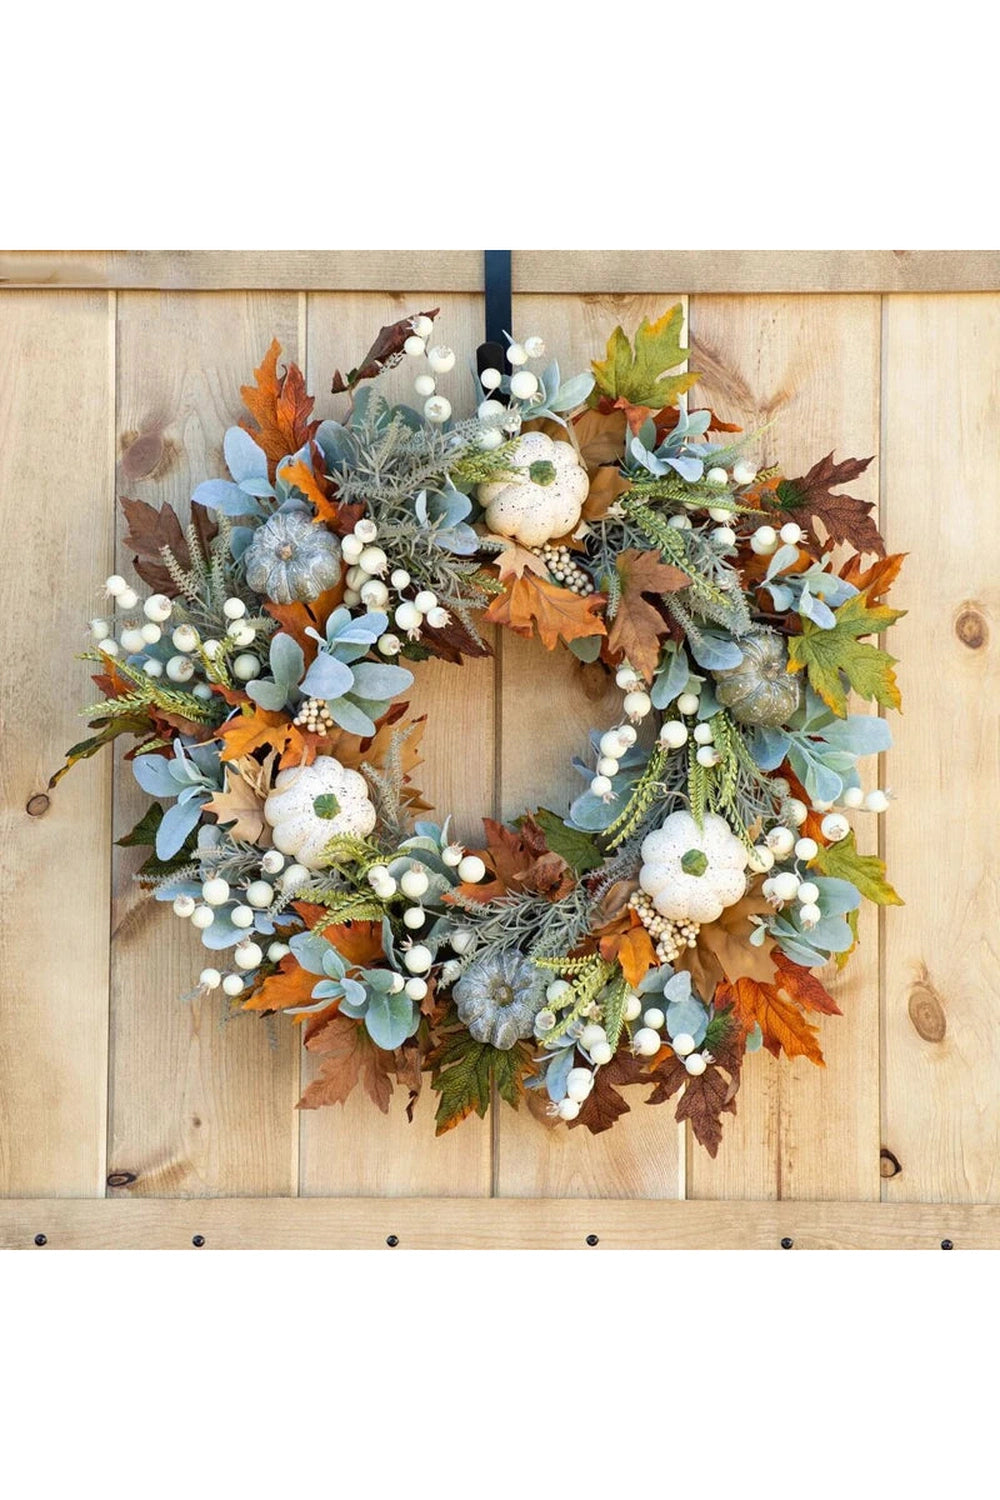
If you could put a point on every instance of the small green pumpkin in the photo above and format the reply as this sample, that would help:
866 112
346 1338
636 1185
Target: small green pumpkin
499 996
291 558
761 690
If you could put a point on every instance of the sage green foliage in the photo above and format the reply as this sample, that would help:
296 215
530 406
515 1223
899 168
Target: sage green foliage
578 849
144 835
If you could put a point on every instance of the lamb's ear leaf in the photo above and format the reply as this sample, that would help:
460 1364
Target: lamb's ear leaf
327 678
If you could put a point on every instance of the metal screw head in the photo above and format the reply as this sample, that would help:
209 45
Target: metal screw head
787 1243
197 1240
392 1240
592 1239
947 1245
41 1239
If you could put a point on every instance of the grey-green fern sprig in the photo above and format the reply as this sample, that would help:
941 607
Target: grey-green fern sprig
526 921
587 978
388 789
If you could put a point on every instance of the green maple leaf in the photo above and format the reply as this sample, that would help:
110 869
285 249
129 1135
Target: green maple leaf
637 375
465 1071
866 871
830 656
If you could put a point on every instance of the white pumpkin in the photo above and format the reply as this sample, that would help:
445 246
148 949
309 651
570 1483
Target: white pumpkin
545 496
310 805
691 873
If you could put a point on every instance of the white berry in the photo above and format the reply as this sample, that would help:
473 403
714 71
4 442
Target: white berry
781 842
790 533
723 513
558 991
490 380
374 561
696 1064
806 849
437 618
202 917
760 859
471 869
627 734
234 609
408 616
877 802
853 797
534 347
272 861
132 640
579 1082
637 705
241 916
687 703
654 1018
437 409
680 523
683 1043
415 987
785 885
150 633
215 891
607 766
153 668
633 1006
724 535
260 893
422 326
591 1035
351 548
389 645
809 914
414 346
808 893
248 955
567 1109
108 646
708 756
183 906
523 385
295 877
241 633
400 579
517 355
744 472
414 917
452 855
717 476
157 607
601 1053
703 734
490 437
180 669
232 984
210 979
797 811
835 827
414 883
277 951
612 744
115 585
246 667
441 359
601 786
646 1041
128 599
462 939
418 959
674 734
764 540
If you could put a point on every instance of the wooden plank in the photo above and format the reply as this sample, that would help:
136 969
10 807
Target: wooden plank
197 1107
352 1149
810 368
941 458
490 1224
539 271
550 702
57 421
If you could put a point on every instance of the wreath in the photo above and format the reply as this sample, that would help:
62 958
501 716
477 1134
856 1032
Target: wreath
672 918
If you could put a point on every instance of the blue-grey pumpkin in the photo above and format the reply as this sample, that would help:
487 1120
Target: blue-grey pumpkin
499 996
290 557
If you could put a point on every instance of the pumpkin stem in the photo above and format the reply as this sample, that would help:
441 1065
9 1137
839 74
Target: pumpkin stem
542 471
503 995
285 551
326 805
694 862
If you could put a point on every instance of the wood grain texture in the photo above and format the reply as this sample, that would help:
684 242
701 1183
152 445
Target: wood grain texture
941 458
544 271
550 702
56 421
350 1148
810 368
491 1224
197 1107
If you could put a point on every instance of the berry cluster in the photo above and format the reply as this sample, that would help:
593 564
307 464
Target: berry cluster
564 568
670 937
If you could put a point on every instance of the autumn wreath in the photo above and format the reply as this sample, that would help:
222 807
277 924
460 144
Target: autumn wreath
654 932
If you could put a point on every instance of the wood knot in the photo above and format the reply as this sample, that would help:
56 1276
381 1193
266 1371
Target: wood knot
121 1179
38 805
593 678
926 1010
971 627
889 1163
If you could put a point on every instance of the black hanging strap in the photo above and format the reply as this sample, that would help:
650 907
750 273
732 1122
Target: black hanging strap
497 283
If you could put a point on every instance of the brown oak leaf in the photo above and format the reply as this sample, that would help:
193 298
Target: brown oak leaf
604 1105
297 617
386 351
638 627
241 804
262 730
531 603
349 1056
519 862
607 486
149 530
707 1097
845 518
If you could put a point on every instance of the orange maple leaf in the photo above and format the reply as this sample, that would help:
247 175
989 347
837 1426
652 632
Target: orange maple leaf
784 1027
264 729
793 982
360 943
294 618
634 951
876 580
290 986
529 603
281 408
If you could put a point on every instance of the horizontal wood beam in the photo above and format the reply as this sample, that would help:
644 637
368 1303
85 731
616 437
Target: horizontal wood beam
488 1224
544 271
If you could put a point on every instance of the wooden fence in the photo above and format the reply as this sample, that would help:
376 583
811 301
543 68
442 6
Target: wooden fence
119 372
